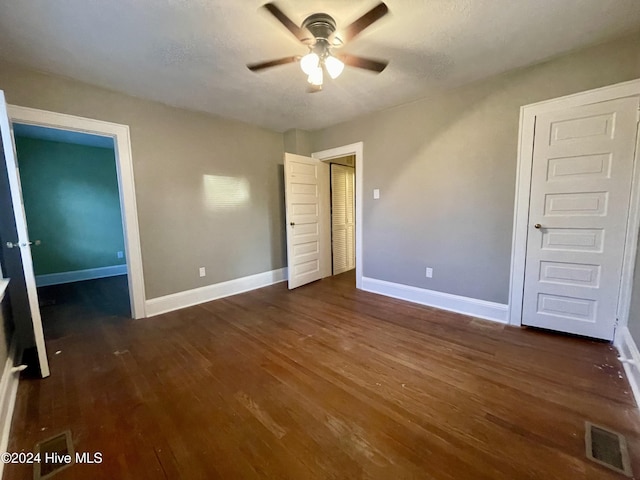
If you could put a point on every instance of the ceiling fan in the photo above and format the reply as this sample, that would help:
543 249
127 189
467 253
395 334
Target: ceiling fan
318 32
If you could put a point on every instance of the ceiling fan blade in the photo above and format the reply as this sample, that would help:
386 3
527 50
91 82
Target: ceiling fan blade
349 33
254 67
365 63
301 34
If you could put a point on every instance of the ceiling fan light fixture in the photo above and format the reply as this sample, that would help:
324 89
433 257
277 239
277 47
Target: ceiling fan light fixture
309 63
334 66
315 77
318 32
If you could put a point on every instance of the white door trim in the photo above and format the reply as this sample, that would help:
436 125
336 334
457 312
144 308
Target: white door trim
126 184
528 115
351 149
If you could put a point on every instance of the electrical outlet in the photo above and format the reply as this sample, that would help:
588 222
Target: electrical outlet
203 272
376 193
120 254
429 272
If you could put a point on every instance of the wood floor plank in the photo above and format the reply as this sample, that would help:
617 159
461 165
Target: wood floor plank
323 382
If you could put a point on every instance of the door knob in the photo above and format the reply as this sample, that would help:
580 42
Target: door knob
292 224
537 225
16 245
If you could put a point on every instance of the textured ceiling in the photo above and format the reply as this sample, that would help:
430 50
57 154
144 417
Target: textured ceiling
192 53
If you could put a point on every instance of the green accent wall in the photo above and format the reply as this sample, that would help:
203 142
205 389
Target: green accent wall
72 205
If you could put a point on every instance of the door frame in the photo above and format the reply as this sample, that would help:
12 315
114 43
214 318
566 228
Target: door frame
357 150
126 185
528 114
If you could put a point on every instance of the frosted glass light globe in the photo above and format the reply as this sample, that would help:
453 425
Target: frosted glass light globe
334 66
309 63
315 77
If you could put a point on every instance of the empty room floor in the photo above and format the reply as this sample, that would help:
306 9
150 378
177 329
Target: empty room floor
321 382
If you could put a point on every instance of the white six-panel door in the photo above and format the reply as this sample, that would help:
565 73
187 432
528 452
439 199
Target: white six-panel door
580 192
305 180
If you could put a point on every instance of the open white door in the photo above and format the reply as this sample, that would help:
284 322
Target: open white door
21 244
306 180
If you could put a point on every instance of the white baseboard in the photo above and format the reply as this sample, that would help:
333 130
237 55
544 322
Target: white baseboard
176 301
8 391
496 312
630 358
78 275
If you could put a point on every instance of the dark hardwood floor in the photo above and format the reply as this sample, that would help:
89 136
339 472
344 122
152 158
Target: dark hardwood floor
324 382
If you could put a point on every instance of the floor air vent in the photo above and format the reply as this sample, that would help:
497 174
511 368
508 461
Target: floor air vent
52 455
607 448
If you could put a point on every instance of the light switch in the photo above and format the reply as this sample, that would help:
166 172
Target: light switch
376 193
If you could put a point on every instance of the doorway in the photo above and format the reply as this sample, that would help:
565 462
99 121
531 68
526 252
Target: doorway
355 151
21 243
120 138
342 191
308 217
71 200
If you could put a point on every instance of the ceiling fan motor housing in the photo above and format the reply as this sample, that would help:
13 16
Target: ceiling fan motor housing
320 25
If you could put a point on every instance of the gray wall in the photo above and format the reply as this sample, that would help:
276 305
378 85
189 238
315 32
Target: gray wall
183 225
298 142
446 165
